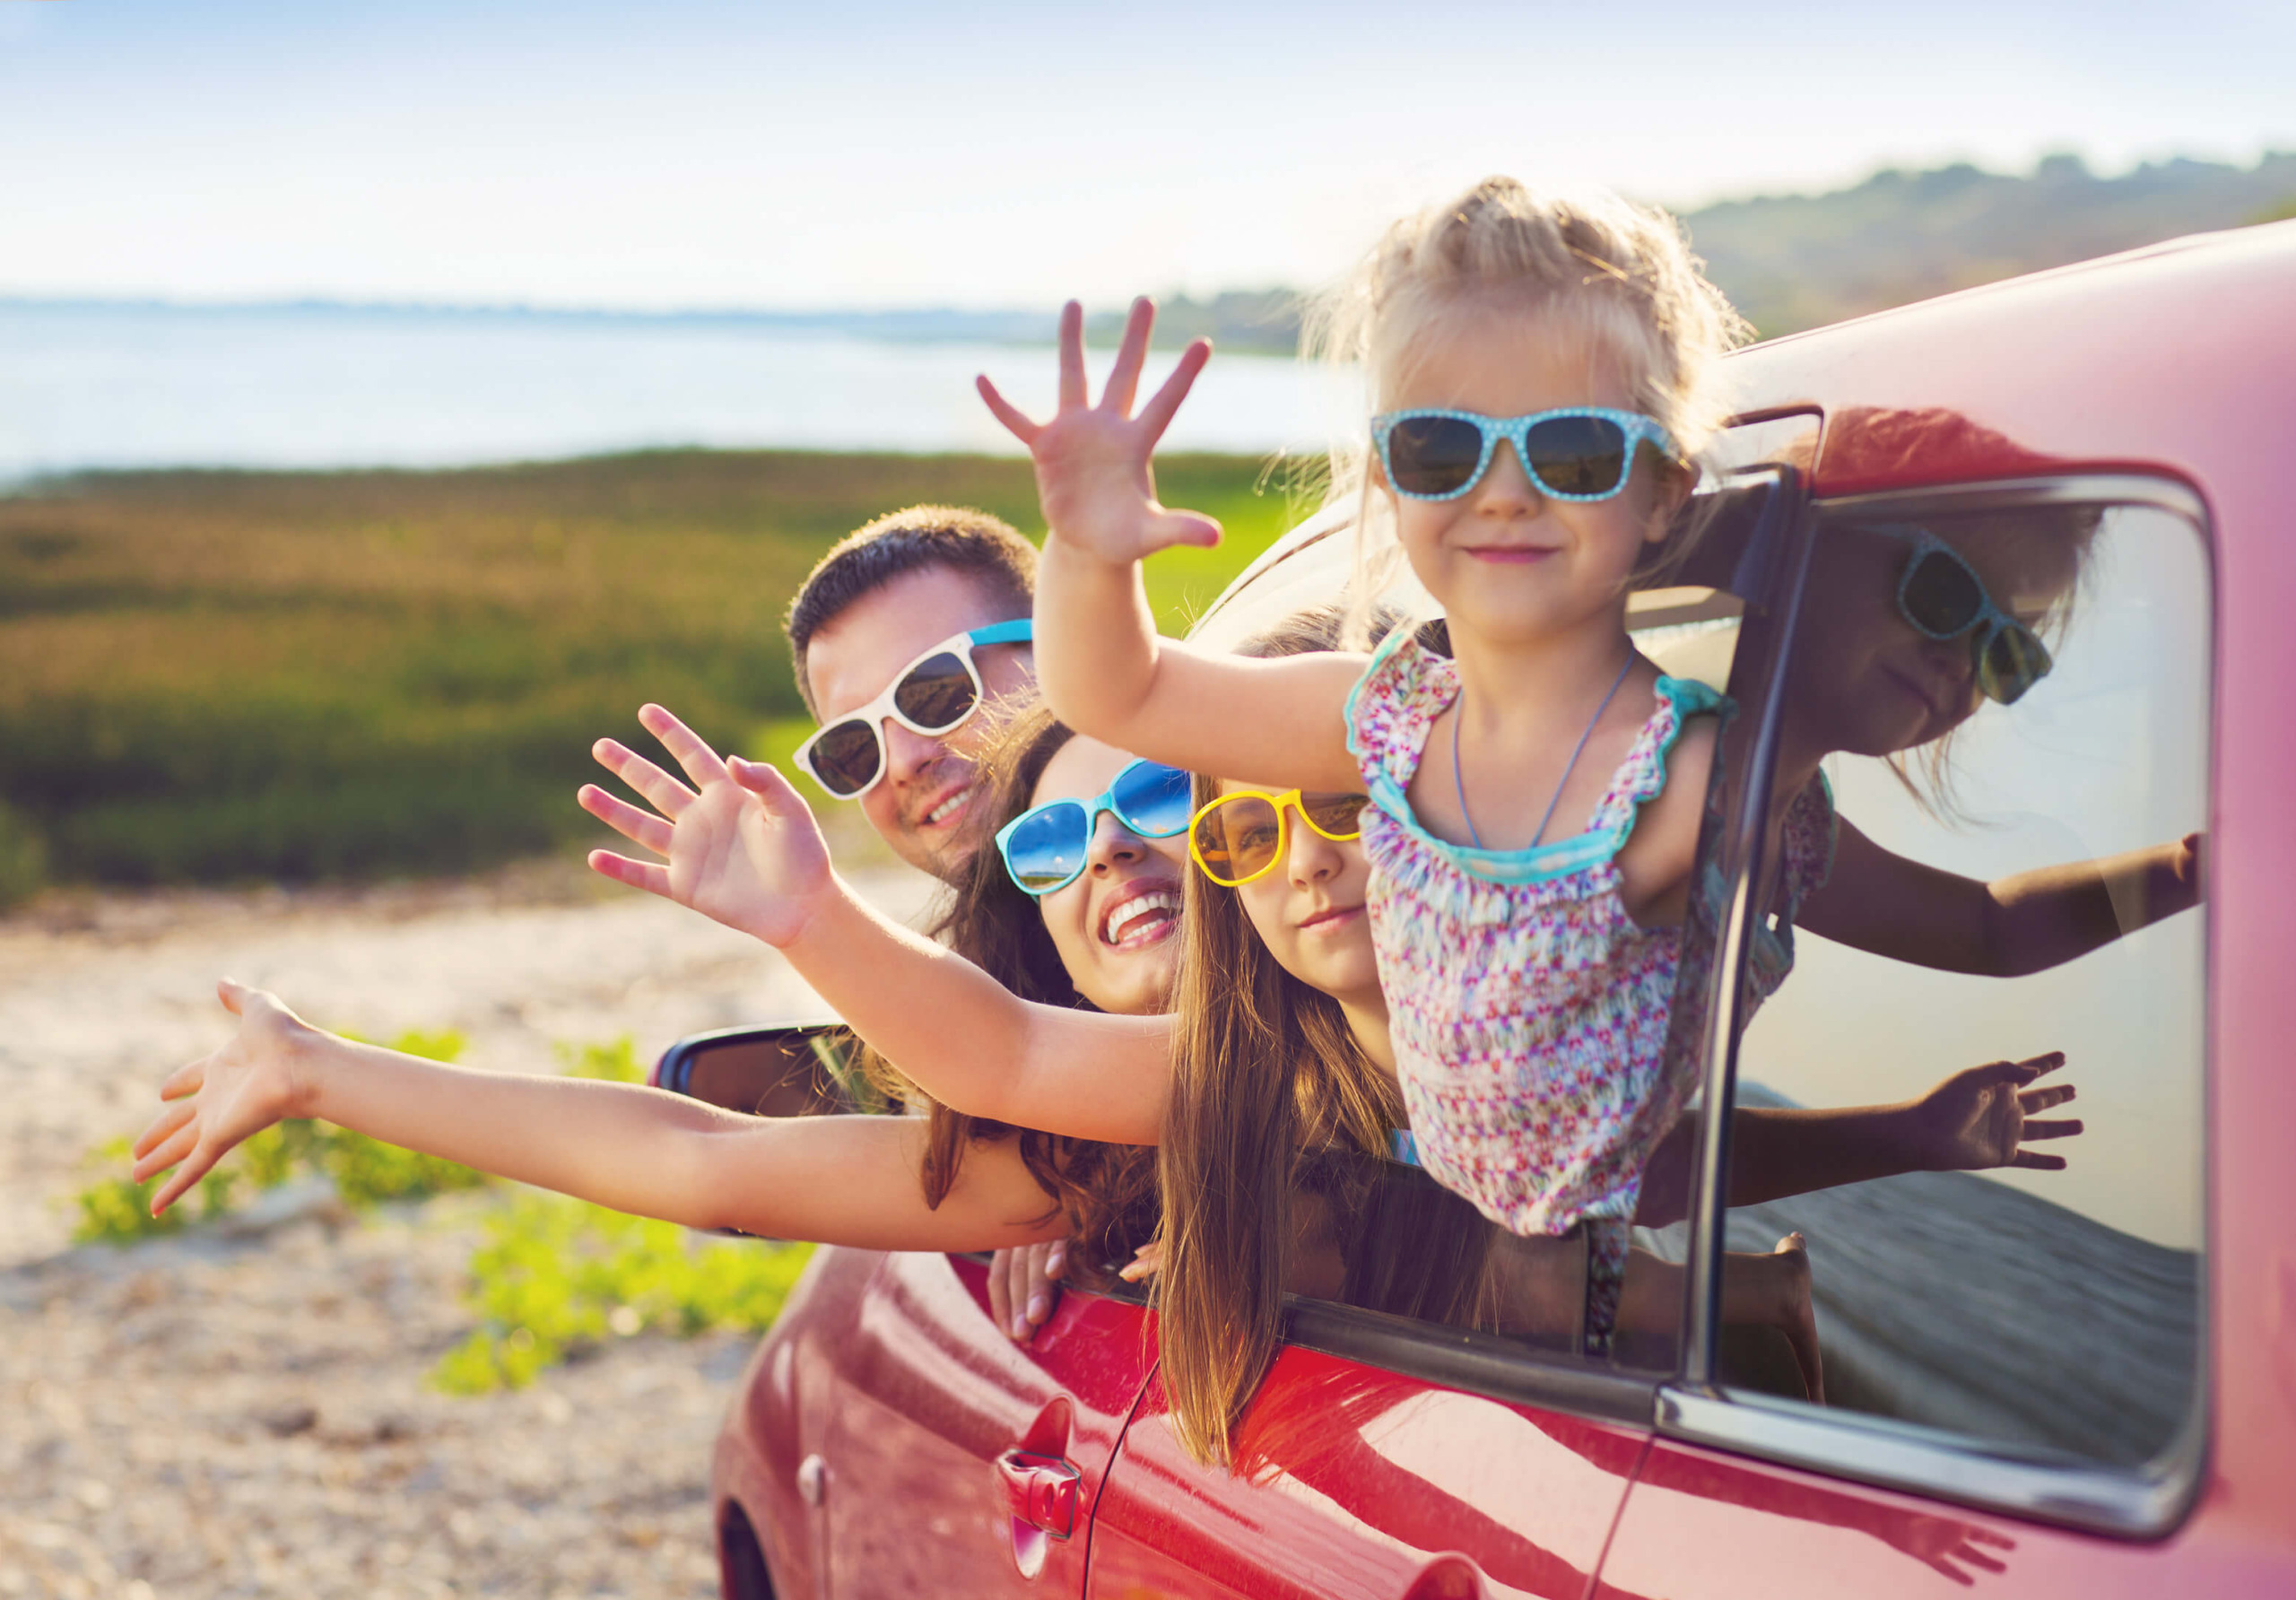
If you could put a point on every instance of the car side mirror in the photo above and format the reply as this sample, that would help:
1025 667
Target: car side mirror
793 1069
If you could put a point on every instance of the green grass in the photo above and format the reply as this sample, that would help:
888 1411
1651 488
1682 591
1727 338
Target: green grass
218 676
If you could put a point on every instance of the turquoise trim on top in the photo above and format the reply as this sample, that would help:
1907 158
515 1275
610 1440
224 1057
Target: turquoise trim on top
1542 863
1018 630
1403 1148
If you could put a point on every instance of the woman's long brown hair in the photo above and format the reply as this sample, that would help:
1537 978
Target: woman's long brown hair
1272 1099
1106 1192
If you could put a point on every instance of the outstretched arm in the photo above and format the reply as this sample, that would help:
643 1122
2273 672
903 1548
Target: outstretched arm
1099 659
1978 1118
740 847
851 1180
1883 903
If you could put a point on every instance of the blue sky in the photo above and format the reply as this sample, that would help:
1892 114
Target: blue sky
686 152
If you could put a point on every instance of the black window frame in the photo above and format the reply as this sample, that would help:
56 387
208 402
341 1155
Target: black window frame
2145 1503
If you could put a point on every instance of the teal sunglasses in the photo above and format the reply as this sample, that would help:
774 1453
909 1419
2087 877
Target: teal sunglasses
1046 846
1941 596
1573 453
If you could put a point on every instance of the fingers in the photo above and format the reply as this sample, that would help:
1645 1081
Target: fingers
2000 1071
189 1173
1145 1263
167 1122
638 875
167 1152
1986 1535
2035 1161
693 753
2043 1065
663 793
1000 1293
641 828
1016 421
1978 1558
2041 1099
1073 393
233 994
1182 527
1056 1259
2059 1128
764 779
1950 1570
185 1080
1157 414
1123 377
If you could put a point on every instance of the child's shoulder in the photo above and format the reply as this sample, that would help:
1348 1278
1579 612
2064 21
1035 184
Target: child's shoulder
1657 856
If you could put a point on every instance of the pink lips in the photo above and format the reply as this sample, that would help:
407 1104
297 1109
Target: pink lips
1336 917
1511 555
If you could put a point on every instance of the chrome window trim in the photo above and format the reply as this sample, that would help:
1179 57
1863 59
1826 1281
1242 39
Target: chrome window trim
2146 1502
2140 1503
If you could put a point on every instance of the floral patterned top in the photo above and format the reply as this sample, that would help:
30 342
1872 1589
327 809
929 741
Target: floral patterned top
1529 1010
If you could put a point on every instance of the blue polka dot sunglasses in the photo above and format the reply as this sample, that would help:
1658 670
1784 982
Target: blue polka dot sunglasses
1575 453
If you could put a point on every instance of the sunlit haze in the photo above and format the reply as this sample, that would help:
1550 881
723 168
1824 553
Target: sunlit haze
704 153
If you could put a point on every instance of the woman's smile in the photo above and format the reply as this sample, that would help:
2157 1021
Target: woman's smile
1140 912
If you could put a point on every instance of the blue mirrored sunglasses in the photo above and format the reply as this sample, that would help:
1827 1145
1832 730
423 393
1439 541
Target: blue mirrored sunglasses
1574 453
1045 846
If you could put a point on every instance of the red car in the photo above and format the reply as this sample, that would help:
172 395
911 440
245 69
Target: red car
2066 1383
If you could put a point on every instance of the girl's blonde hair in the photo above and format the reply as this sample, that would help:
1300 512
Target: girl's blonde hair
1621 276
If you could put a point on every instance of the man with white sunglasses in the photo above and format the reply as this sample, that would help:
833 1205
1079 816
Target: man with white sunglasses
901 634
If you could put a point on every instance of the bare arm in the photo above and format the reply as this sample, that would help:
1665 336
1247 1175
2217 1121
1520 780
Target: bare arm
1978 1118
852 1180
1893 907
742 847
1100 661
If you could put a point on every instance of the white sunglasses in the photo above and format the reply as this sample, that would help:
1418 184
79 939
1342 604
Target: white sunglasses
932 694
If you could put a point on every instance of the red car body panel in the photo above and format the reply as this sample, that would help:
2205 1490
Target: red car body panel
1354 1482
898 1379
2178 361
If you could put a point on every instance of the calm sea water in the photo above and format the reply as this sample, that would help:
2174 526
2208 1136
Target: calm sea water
84 387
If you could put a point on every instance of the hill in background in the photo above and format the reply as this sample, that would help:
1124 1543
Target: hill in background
1801 261
1791 262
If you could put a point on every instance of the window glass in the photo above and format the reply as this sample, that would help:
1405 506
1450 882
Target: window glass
2012 706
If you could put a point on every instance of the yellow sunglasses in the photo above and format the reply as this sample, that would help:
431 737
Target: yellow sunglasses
1240 836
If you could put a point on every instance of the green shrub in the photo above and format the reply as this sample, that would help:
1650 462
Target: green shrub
556 1275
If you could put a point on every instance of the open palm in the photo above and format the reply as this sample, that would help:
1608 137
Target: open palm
740 846
1092 467
226 1096
1983 1116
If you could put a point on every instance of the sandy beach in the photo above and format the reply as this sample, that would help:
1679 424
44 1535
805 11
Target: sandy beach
245 1413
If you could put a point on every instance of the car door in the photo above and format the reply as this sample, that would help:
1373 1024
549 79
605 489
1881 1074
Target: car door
2014 1358
956 1462
1391 1473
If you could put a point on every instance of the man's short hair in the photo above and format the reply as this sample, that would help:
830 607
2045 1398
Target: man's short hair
985 547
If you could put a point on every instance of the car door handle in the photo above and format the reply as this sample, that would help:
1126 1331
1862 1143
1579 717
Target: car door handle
1040 1491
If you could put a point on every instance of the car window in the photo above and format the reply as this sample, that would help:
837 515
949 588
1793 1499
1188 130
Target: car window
2048 1308
1381 1236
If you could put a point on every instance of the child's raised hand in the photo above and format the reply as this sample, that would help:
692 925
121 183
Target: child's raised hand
1092 472
227 1095
1982 1117
740 847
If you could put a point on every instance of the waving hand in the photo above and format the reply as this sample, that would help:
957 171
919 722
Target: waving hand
1092 472
740 846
